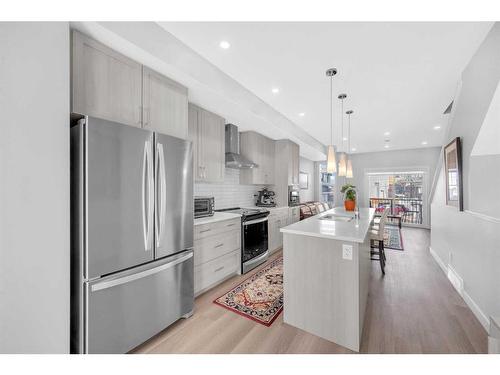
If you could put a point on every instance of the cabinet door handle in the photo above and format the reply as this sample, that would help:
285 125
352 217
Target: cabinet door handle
219 269
206 230
219 245
230 225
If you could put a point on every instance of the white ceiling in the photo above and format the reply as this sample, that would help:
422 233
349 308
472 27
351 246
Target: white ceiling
399 77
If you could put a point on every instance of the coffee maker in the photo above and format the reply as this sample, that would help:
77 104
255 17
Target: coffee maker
265 198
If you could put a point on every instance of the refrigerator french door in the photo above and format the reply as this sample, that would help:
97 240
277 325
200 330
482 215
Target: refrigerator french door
132 234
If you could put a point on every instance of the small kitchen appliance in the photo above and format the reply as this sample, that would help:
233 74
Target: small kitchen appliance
265 198
203 206
293 195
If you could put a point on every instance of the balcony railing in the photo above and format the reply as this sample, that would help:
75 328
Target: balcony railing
408 209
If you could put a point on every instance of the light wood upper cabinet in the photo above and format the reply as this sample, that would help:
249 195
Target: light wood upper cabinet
108 85
207 132
105 84
165 105
260 150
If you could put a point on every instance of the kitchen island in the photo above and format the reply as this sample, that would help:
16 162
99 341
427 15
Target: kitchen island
326 268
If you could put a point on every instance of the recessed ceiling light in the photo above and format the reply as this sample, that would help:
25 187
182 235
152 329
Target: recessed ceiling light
344 139
386 146
387 133
353 149
224 44
437 127
302 114
275 90
424 142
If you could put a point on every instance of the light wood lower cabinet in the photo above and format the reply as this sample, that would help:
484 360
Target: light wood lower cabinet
217 253
278 218
210 274
293 214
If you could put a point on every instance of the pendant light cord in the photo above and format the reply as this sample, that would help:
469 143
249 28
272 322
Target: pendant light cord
342 120
349 135
331 108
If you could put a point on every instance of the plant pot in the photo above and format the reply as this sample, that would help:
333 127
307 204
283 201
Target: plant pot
349 205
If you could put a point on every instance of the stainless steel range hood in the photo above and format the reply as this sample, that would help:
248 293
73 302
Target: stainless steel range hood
233 157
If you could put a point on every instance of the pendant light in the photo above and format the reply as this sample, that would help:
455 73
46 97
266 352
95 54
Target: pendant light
343 156
349 173
331 161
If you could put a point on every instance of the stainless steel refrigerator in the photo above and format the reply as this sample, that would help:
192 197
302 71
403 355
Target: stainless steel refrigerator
132 234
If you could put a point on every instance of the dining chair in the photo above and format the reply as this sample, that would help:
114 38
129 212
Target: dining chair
377 236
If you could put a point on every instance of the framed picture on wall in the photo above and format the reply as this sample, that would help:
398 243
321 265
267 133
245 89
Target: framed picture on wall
453 174
303 180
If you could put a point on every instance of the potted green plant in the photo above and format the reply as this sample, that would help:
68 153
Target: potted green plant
350 197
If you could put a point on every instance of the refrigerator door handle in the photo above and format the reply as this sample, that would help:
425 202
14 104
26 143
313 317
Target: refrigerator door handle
161 196
150 196
139 275
145 224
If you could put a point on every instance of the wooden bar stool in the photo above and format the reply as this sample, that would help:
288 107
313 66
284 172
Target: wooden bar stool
377 236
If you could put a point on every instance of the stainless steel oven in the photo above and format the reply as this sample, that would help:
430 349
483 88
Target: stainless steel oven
203 206
293 195
254 236
254 247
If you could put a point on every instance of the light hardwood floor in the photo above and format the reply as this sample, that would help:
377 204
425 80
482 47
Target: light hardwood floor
413 309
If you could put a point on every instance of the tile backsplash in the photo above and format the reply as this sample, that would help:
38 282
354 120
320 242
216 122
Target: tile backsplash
229 193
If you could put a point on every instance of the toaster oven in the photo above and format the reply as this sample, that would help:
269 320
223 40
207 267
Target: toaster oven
203 206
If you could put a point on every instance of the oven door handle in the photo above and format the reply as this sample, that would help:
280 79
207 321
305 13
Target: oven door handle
255 221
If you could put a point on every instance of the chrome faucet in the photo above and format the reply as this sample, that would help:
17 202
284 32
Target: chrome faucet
356 206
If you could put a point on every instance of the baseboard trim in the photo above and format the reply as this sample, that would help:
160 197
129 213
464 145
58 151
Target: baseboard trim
439 261
483 319
456 280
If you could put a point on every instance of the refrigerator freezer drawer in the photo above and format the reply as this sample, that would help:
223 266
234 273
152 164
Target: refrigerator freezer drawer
126 309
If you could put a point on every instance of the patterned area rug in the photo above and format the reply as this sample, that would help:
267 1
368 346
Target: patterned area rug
260 297
393 239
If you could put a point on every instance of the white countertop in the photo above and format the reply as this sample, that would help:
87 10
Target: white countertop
218 216
352 231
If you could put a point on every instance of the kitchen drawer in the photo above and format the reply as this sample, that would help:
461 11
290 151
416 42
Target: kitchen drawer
207 230
209 248
209 274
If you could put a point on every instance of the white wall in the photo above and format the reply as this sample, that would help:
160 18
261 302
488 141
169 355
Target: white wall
424 159
307 166
34 188
469 241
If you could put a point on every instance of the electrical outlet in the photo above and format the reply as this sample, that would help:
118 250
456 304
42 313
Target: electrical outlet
347 252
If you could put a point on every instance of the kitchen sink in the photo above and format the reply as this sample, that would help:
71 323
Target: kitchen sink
337 217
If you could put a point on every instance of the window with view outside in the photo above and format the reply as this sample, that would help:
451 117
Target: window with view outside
327 185
400 192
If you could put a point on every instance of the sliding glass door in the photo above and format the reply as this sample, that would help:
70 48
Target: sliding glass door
403 192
